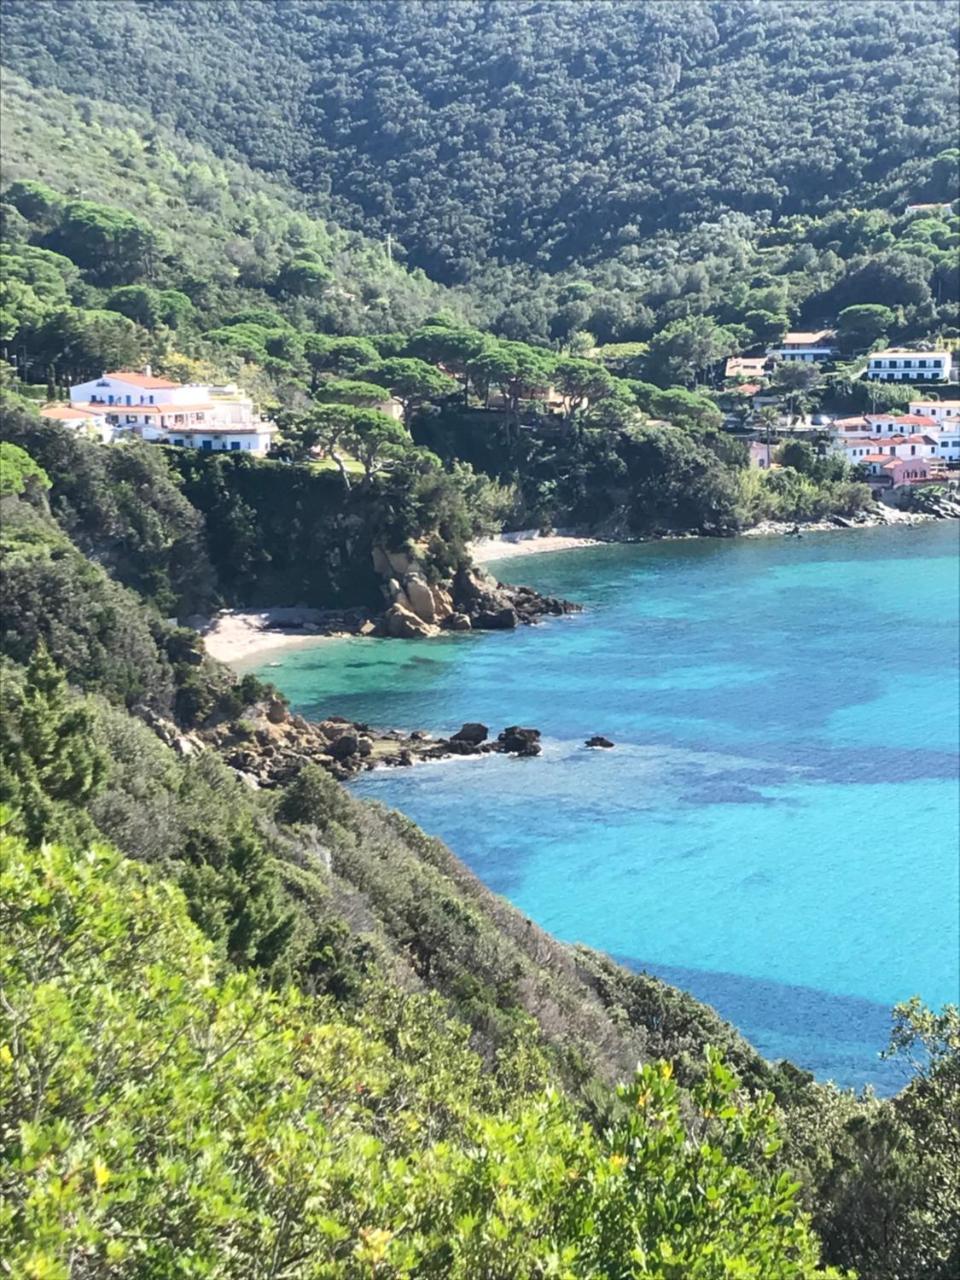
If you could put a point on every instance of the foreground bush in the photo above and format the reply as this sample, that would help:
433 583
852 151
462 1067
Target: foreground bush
163 1118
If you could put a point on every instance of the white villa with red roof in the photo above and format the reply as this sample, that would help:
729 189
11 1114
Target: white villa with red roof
861 449
943 433
946 414
167 412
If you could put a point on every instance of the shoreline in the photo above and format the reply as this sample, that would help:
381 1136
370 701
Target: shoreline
236 636
239 635
514 546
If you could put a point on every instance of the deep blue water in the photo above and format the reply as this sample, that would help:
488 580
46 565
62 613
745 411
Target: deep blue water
777 828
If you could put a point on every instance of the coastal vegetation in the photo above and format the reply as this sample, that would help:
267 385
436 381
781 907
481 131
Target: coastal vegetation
275 1029
362 927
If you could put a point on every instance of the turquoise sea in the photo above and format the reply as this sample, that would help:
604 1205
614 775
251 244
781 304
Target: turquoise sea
778 827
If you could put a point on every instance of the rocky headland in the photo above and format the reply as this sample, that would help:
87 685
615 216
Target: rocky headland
268 745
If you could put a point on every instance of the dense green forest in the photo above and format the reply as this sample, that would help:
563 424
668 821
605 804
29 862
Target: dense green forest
540 133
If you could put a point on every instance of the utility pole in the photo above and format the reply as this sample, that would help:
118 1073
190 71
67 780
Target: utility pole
390 248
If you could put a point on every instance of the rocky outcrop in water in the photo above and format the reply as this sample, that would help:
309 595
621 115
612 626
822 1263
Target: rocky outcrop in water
520 742
268 745
472 600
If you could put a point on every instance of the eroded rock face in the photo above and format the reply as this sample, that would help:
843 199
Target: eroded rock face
420 597
403 624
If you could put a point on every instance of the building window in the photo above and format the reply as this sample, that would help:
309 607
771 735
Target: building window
151 399
178 442
234 444
206 444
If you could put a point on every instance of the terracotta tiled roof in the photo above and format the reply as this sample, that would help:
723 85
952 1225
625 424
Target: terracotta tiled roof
903 419
145 380
66 412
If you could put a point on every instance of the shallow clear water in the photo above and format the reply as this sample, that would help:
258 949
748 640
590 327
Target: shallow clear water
777 827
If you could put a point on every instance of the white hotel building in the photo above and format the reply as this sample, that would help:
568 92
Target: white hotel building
895 365
220 419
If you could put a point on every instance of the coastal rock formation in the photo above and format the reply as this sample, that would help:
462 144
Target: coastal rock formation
401 623
457 622
472 732
472 600
493 605
598 741
267 745
520 742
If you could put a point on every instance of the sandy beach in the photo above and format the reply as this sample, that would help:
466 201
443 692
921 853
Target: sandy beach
237 636
510 546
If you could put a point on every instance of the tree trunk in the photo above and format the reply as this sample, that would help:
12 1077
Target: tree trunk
342 468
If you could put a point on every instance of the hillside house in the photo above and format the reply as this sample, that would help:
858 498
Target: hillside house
808 347
937 206
888 473
903 447
893 424
753 368
898 365
945 432
944 412
87 422
165 412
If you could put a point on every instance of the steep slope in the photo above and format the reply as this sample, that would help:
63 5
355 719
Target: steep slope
532 131
228 229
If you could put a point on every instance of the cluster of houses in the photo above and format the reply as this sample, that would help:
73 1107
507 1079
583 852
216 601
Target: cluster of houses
893 449
896 364
119 405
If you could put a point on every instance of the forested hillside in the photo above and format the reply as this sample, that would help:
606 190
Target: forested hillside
531 132
292 1029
